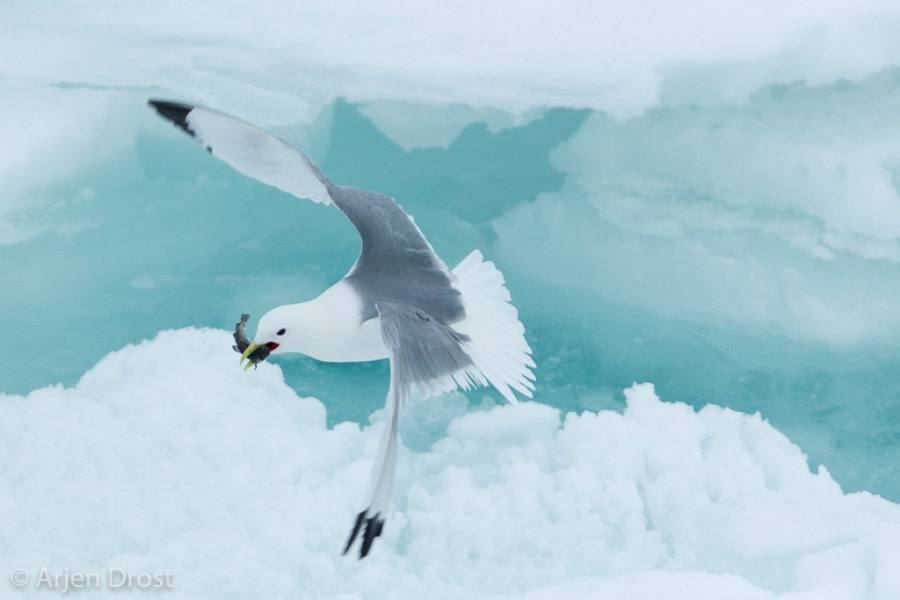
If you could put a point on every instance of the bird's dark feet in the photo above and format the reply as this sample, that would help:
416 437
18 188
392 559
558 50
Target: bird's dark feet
373 527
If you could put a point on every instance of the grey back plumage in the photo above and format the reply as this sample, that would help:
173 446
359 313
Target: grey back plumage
396 263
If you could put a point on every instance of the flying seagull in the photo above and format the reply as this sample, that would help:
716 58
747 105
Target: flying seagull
441 329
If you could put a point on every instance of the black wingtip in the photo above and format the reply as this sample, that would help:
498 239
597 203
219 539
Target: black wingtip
374 525
173 111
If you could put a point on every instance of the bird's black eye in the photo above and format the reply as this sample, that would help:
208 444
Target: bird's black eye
280 331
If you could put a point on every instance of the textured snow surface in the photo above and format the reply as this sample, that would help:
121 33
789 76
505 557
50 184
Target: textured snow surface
165 456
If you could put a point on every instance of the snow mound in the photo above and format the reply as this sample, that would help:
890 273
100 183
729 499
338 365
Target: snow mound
166 457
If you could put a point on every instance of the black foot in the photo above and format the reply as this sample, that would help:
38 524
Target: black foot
373 529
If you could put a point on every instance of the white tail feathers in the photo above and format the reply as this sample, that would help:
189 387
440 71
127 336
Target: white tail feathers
497 347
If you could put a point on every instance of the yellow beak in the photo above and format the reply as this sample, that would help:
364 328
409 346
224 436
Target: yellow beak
246 355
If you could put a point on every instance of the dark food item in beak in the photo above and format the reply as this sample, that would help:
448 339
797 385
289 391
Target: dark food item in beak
256 354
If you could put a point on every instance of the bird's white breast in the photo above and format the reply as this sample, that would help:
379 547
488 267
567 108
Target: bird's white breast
331 328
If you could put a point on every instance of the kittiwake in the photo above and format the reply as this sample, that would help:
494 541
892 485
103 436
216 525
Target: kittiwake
441 329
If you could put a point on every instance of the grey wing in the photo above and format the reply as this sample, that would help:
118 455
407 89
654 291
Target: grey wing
396 262
427 358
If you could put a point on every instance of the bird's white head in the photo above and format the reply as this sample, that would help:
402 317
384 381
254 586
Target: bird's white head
278 330
327 328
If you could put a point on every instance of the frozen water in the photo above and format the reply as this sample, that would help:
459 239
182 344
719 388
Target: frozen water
277 63
236 486
628 261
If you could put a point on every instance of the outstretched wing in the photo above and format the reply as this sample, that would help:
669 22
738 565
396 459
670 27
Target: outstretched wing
249 150
427 358
395 262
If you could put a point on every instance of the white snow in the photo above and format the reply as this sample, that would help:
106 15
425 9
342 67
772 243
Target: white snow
273 62
166 457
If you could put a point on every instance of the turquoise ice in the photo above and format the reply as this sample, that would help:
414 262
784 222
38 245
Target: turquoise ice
644 264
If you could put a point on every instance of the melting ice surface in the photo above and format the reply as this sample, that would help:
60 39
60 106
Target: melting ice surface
716 214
